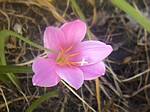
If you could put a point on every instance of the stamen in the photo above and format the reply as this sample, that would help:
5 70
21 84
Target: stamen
68 49
69 64
63 57
73 63
61 54
72 55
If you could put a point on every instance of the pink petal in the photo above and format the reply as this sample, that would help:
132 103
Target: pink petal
74 31
93 71
92 51
53 38
73 76
45 75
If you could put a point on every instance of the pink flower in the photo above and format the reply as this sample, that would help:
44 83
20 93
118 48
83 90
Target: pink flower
74 60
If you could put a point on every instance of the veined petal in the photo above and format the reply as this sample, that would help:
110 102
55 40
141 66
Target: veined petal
93 71
45 75
73 76
53 38
74 31
92 52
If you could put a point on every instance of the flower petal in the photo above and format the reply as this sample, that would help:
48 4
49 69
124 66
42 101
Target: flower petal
93 71
45 75
74 31
53 38
92 52
73 76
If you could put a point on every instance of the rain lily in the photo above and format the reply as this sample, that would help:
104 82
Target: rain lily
74 60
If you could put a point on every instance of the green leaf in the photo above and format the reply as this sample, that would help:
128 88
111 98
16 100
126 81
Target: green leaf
39 101
6 33
11 76
14 69
4 78
131 11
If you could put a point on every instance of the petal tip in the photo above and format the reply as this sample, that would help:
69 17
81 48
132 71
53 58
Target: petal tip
79 20
103 74
34 84
78 86
110 47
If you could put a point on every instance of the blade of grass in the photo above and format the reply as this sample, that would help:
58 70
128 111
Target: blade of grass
39 101
11 76
14 69
3 77
77 9
51 8
6 33
131 11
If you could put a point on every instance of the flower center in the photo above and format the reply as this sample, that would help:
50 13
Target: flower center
64 57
